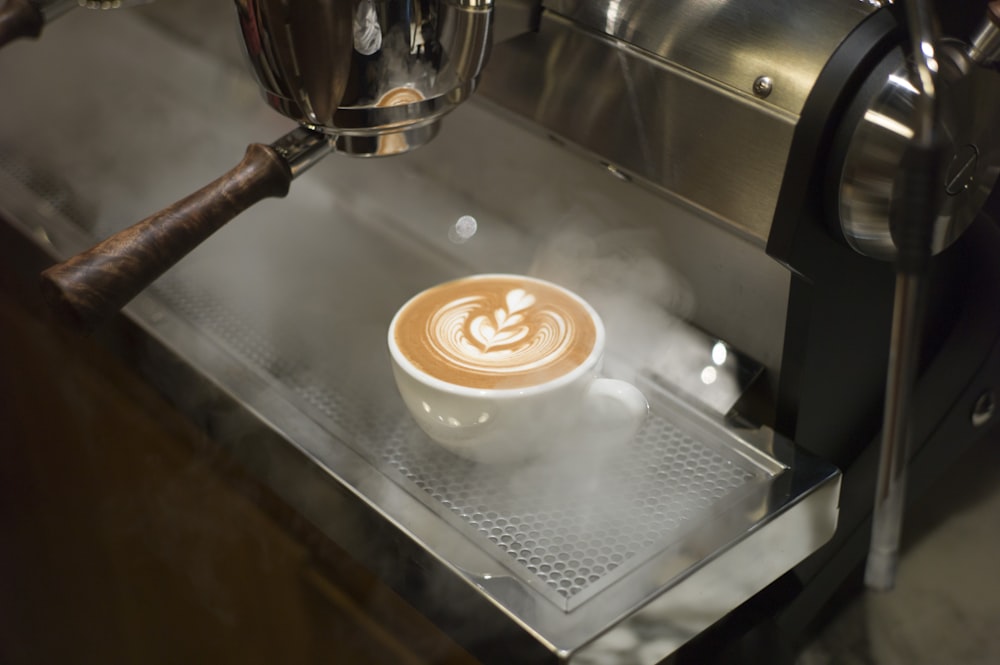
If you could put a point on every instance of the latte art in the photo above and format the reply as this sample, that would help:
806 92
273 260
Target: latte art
518 336
495 331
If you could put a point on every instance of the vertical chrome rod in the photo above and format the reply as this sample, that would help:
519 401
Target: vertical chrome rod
917 200
890 492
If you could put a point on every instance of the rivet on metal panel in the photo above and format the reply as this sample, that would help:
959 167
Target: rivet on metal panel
763 86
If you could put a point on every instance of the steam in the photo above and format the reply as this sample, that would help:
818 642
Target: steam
335 330
640 298
645 303
566 501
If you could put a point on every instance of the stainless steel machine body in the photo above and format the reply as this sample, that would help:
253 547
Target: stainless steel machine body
699 99
671 163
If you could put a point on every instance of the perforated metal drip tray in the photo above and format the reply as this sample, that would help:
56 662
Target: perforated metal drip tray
597 554
614 552
572 525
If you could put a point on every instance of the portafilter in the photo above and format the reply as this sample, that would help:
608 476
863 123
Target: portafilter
361 77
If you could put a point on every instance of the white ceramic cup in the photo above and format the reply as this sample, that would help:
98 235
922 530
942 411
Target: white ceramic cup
508 424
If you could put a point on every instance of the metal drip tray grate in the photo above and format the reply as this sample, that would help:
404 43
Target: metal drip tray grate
571 527
567 528
579 525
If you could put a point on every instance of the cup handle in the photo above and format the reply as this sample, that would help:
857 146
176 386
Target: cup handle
614 409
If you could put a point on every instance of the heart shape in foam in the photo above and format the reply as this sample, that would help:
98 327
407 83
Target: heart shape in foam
488 335
506 326
517 300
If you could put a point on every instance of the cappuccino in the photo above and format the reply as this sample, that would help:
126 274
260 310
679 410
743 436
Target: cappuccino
495 332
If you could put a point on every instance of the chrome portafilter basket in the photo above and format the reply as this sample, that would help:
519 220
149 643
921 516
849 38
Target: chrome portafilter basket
375 75
361 77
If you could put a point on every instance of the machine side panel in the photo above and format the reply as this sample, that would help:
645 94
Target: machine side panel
732 43
720 152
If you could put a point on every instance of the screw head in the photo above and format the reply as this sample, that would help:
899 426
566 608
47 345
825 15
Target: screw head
763 86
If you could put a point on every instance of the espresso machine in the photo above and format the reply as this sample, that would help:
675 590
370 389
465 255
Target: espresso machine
730 185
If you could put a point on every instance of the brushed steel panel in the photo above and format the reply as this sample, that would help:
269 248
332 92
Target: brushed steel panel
732 43
720 152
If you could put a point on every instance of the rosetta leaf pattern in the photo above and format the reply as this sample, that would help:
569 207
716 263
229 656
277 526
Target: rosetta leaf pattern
507 324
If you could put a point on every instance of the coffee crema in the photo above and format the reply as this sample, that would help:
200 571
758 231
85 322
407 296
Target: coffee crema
399 96
495 332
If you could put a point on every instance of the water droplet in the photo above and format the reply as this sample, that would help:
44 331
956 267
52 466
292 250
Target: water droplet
463 229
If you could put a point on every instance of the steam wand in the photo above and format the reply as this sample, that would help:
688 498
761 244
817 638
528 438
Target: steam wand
912 222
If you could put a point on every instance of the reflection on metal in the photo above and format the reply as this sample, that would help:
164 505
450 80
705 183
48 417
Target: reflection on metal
984 409
620 104
890 124
302 149
984 48
763 86
885 112
327 65
729 43
514 17
673 94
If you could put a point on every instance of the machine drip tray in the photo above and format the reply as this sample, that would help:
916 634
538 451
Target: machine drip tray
573 525
694 515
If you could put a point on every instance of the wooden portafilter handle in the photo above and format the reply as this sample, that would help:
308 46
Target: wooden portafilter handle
19 18
89 287
26 18
93 285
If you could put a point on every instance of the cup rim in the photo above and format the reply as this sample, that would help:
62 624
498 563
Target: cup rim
585 367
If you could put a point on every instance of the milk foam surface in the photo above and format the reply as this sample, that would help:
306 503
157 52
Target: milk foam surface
495 332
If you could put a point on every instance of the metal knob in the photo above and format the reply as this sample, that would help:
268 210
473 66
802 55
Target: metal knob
985 46
873 138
